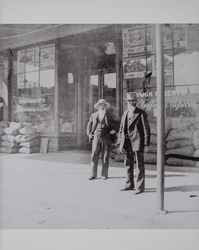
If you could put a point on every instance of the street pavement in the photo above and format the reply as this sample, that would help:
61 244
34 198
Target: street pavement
52 191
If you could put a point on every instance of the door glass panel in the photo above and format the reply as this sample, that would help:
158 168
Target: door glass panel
110 89
93 92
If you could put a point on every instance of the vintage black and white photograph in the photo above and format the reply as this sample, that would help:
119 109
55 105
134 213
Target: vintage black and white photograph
99 126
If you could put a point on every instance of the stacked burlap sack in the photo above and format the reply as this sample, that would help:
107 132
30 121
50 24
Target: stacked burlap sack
151 156
8 143
29 140
180 141
3 125
196 145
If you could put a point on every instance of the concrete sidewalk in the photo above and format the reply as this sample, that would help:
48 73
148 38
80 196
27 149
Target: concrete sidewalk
52 191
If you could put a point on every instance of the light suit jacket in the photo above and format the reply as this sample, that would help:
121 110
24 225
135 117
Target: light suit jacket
92 124
137 128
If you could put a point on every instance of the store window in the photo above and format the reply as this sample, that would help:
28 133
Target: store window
181 60
34 102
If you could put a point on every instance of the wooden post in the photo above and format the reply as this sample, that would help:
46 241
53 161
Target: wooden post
56 89
56 115
78 73
160 118
118 66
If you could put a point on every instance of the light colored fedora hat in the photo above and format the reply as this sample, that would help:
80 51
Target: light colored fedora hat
102 101
131 96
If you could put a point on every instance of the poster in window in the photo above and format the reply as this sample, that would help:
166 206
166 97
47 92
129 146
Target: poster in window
47 56
20 61
20 81
136 67
136 40
31 60
175 35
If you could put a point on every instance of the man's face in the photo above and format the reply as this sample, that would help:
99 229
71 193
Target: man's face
102 106
132 103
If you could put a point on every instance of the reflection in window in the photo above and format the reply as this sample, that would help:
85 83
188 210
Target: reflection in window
68 106
47 82
186 68
93 92
110 89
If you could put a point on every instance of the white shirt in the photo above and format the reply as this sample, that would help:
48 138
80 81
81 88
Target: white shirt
131 109
101 114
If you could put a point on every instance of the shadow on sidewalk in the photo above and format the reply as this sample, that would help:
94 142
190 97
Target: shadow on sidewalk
185 188
167 175
183 211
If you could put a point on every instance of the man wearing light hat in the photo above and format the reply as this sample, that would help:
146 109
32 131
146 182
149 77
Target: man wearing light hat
99 129
134 139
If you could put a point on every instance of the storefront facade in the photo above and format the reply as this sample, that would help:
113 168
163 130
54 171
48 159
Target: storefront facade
54 83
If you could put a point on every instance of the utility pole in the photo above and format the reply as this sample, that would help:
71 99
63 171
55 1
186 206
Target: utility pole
160 118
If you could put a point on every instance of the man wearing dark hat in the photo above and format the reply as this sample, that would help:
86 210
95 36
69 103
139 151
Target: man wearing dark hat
134 139
99 129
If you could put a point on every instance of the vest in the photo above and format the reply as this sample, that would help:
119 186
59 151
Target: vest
101 128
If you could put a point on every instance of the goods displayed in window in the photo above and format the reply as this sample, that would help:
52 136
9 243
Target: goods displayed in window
34 102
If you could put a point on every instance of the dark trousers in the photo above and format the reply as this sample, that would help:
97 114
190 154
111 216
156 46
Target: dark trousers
100 144
138 157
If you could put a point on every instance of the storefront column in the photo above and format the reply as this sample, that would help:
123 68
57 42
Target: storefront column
79 99
160 118
56 89
118 66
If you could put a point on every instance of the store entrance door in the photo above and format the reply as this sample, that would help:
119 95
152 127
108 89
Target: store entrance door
98 85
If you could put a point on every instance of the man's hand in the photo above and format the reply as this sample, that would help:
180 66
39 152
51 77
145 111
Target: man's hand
146 149
90 137
112 132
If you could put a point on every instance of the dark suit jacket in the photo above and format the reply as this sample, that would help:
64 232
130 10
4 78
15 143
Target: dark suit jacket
92 124
137 128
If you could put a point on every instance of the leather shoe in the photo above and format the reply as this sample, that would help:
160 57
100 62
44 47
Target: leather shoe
91 178
126 189
139 191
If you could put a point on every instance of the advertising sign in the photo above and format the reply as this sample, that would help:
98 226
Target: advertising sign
136 40
136 67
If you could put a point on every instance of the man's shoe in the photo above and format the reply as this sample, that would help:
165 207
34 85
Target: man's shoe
104 178
126 189
139 191
92 178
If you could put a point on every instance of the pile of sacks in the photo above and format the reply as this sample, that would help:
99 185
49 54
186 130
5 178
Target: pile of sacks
196 144
180 141
181 137
19 138
151 156
8 143
29 140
